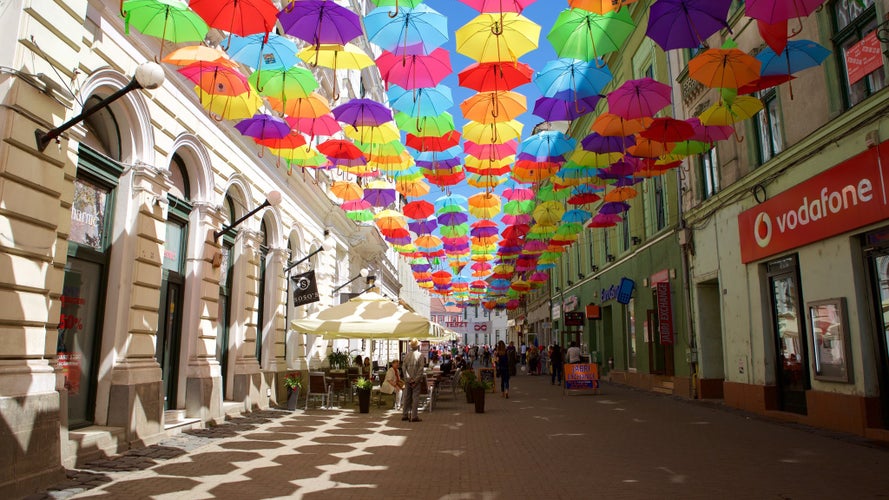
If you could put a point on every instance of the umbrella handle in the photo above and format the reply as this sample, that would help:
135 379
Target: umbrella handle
122 13
496 29
393 15
290 6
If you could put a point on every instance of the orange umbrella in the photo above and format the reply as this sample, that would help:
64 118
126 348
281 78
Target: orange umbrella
346 190
621 194
724 68
647 148
313 106
494 107
390 219
599 6
484 205
413 188
198 53
609 124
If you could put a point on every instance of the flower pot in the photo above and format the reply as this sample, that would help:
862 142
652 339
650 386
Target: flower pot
292 398
468 393
478 397
363 400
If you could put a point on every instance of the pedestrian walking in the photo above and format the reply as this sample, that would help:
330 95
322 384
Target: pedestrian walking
555 361
533 360
413 365
502 364
513 358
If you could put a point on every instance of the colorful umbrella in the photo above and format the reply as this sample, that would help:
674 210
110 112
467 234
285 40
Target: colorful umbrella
230 107
340 148
263 51
547 144
284 84
668 130
421 102
320 22
311 106
484 205
585 35
558 109
169 20
492 107
216 78
676 24
421 26
239 17
433 143
424 226
724 68
262 126
362 112
425 125
497 37
198 53
548 212
598 143
639 98
611 124
796 56
494 76
775 11
497 6
725 114
324 125
493 133
346 190
414 71
581 78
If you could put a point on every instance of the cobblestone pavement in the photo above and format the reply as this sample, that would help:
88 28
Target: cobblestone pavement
619 444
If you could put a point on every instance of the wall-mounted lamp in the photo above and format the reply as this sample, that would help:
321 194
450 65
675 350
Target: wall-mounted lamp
273 199
558 289
580 276
149 75
361 274
570 283
327 244
610 258
595 269
371 280
636 240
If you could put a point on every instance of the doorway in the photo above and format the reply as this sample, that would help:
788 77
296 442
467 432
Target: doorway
791 349
169 336
878 267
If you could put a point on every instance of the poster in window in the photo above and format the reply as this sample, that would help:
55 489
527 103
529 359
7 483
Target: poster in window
88 214
827 322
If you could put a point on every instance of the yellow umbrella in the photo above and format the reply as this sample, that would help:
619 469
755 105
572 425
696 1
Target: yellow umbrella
497 37
412 188
386 132
390 219
335 56
488 164
484 205
492 133
230 107
744 107
591 159
548 213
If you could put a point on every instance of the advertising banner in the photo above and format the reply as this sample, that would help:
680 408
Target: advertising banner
305 289
665 313
581 376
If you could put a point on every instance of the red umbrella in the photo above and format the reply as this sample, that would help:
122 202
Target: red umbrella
433 143
419 209
494 76
241 17
340 148
774 35
764 82
668 130
292 141
415 71
325 125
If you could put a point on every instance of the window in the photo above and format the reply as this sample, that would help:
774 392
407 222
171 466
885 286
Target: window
631 335
709 174
768 127
625 232
660 203
853 21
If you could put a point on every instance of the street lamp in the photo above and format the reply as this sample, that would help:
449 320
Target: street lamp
327 244
362 274
371 283
273 199
149 75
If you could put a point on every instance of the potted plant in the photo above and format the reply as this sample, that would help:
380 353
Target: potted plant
478 388
363 387
338 360
466 378
293 382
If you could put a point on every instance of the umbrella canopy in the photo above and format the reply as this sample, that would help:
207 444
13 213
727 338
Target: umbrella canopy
491 107
169 20
320 22
796 56
284 84
586 35
216 78
494 76
581 78
362 112
420 26
368 316
724 68
263 51
774 11
239 17
263 126
639 98
416 70
497 37
676 24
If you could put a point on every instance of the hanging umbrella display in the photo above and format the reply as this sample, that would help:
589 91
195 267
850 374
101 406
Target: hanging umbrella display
668 130
598 143
424 226
709 134
433 143
415 70
621 194
585 35
775 11
559 109
610 124
336 57
643 97
311 106
599 6
497 37
263 51
339 148
547 144
763 83
431 101
347 190
724 114
284 84
320 22
492 107
676 24
262 126
494 76
484 205
216 78
230 107
583 195
438 125
190 54
420 26
239 17
324 125
419 209
724 68
493 133
373 134
798 55
169 20
362 112
572 78
548 212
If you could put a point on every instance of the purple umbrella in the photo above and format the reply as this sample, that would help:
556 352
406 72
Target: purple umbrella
484 231
452 218
419 268
614 207
558 109
604 220
320 21
531 157
442 164
362 112
425 226
263 127
676 24
379 197
602 144
627 181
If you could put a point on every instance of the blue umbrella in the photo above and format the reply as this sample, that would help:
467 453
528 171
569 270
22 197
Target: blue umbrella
422 25
255 51
582 78
797 56
546 144
576 215
447 155
428 101
445 203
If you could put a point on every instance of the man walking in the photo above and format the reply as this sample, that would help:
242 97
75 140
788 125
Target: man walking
555 359
413 365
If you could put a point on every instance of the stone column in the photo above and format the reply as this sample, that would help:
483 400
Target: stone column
248 378
203 386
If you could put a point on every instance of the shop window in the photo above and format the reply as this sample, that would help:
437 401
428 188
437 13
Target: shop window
854 20
625 232
260 317
768 127
708 173
631 334
660 203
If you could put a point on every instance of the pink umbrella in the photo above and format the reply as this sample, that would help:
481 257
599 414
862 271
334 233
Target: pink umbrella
510 219
709 133
519 194
414 71
497 6
495 151
604 220
324 125
639 98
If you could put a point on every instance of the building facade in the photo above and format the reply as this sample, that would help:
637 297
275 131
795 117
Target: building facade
131 307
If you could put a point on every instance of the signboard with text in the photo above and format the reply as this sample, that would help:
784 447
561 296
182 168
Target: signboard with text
664 313
848 196
864 57
305 289
581 376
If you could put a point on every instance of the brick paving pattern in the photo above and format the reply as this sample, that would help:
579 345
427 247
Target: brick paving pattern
619 444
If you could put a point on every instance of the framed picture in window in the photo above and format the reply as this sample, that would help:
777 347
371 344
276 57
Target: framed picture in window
829 326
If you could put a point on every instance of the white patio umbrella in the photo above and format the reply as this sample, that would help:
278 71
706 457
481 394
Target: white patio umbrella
367 316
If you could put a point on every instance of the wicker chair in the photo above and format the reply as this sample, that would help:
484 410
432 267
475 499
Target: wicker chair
318 388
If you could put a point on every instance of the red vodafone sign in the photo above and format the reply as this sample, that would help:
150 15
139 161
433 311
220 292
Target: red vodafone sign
848 196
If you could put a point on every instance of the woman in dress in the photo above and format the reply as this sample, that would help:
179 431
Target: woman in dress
501 362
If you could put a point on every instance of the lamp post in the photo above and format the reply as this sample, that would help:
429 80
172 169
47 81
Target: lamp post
149 75
327 244
273 199
362 274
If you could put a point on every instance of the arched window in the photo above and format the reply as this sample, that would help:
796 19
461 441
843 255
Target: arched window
263 255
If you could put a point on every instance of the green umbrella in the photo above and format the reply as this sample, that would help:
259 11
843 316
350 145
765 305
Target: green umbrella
284 84
169 20
430 126
549 193
360 215
517 207
581 34
454 231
